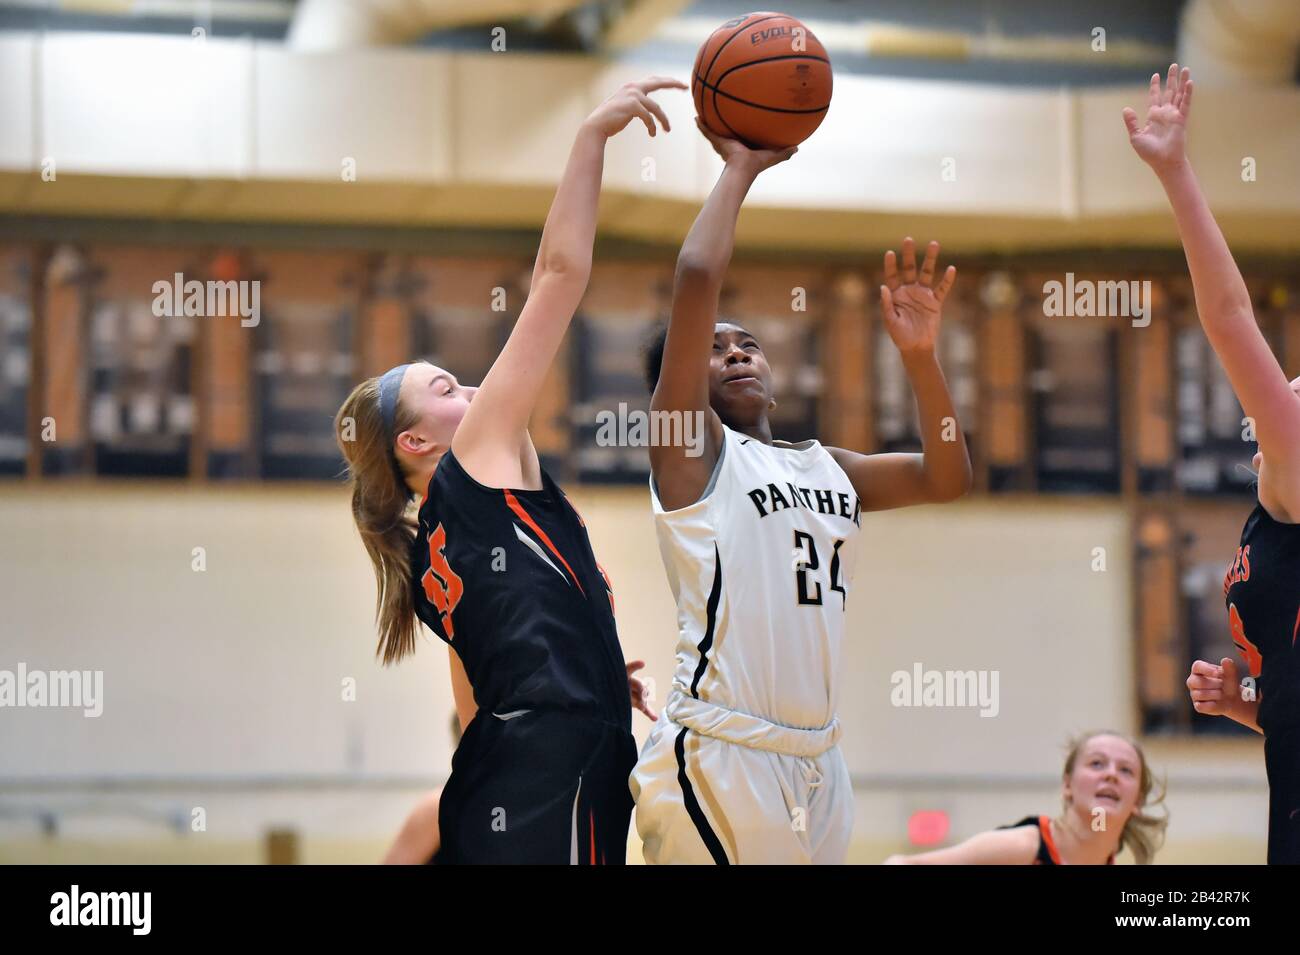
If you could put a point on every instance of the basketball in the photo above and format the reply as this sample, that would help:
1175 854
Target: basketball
763 79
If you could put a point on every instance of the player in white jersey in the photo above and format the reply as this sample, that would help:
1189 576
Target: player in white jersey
758 538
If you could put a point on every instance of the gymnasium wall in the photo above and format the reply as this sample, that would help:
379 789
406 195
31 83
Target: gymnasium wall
241 672
238 130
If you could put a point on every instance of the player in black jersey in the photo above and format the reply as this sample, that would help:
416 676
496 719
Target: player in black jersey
1106 788
1262 586
498 564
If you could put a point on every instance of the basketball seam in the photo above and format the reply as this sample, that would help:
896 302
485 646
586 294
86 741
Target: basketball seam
775 109
718 112
770 59
718 52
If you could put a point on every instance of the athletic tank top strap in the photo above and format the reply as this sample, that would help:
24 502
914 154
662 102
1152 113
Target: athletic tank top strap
1047 854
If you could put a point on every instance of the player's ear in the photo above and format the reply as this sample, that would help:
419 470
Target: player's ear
771 404
413 442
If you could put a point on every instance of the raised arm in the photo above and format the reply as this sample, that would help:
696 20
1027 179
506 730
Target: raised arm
910 306
1222 302
697 284
491 441
999 847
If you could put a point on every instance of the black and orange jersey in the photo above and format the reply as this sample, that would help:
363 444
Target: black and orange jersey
1047 851
1262 592
508 578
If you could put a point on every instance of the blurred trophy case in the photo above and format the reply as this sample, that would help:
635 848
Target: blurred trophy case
605 361
303 358
1182 554
1047 404
453 312
117 363
1215 442
1074 394
16 280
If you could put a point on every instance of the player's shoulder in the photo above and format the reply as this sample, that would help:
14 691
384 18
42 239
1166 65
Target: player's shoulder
1014 845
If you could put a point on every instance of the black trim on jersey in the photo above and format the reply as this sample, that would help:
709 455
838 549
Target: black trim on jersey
711 841
712 613
1044 854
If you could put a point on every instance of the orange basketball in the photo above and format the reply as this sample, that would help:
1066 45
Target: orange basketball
763 79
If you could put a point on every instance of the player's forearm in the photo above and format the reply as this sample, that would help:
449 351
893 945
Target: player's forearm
707 251
570 230
945 460
1221 295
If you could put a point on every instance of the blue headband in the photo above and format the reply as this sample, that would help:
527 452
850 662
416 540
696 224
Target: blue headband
389 387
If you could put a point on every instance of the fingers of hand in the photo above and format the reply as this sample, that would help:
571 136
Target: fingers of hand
1171 84
644 114
945 283
1153 92
655 108
887 299
652 83
1206 668
909 261
1198 682
891 270
1130 122
1185 102
928 263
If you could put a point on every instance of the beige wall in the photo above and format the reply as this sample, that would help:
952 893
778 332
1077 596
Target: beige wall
238 670
253 132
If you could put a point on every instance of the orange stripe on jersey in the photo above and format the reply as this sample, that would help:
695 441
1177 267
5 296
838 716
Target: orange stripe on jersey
1296 628
515 506
1045 827
1254 659
610 587
592 816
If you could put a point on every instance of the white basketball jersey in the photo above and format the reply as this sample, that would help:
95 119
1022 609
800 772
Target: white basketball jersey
761 569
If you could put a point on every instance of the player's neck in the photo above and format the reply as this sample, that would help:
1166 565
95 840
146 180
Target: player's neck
1078 844
759 430
418 480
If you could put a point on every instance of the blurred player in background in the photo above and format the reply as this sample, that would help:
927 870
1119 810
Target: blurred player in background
1106 789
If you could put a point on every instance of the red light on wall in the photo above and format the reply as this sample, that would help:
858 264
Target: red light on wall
928 827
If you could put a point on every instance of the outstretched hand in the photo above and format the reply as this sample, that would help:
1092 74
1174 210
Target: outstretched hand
733 150
1162 142
909 301
632 101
